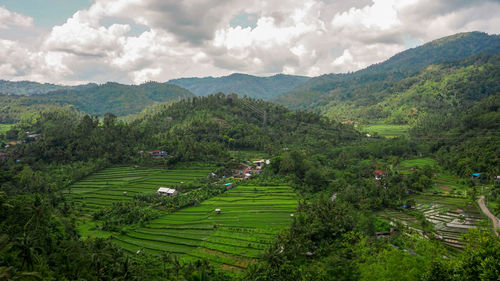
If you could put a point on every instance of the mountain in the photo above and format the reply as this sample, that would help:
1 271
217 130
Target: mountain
369 86
113 98
35 88
242 84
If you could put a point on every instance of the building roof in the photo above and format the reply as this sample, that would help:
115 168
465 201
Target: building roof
229 183
476 174
378 172
166 190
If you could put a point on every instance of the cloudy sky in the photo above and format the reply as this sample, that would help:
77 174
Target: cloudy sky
132 41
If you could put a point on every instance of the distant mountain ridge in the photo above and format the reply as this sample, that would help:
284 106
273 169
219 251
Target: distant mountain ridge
34 88
363 87
111 97
242 84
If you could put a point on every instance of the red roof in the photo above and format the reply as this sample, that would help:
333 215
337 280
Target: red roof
378 172
12 143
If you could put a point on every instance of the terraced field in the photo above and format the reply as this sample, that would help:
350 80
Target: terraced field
452 217
250 218
122 183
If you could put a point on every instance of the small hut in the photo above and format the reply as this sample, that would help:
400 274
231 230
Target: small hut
217 211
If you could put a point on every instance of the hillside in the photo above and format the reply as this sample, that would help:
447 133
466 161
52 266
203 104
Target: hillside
438 89
236 123
113 98
34 88
242 84
364 87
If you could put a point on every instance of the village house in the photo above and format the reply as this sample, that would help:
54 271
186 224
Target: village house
167 191
378 174
476 175
260 163
229 185
157 153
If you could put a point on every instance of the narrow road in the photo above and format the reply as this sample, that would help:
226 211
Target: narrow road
496 223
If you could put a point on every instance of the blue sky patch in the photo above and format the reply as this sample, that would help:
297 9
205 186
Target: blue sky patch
47 13
244 20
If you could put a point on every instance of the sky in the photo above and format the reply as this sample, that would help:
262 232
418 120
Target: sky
134 41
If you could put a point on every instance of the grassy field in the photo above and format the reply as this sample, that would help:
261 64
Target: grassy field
418 163
386 130
5 127
103 188
250 218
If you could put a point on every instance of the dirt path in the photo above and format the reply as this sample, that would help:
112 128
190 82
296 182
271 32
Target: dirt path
496 223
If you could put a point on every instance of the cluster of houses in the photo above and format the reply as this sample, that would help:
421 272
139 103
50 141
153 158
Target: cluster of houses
29 137
155 153
249 171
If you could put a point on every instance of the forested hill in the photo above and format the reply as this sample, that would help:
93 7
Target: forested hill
361 87
228 122
34 88
242 84
112 98
437 90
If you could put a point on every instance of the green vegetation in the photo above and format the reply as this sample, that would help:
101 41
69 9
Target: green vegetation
34 88
369 86
243 84
112 98
78 201
386 130
250 218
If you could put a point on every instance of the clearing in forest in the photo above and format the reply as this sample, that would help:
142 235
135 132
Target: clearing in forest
250 218
386 130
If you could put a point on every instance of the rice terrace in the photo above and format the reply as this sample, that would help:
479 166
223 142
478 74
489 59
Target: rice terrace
247 219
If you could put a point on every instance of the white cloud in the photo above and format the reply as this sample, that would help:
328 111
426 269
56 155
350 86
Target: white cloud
9 18
195 38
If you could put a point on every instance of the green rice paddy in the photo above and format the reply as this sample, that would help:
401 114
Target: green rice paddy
451 216
386 130
250 218
103 188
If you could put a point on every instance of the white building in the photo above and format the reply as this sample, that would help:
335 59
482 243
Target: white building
167 191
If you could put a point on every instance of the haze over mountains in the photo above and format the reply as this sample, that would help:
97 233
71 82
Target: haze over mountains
354 95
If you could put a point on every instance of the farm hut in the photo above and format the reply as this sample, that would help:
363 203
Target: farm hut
248 175
167 191
217 211
476 175
229 185
378 174
497 178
